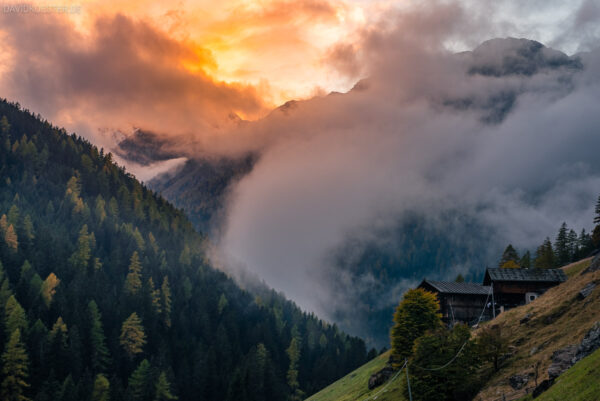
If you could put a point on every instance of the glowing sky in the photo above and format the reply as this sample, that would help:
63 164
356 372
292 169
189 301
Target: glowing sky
283 47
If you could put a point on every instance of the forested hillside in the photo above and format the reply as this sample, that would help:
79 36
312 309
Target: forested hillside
106 294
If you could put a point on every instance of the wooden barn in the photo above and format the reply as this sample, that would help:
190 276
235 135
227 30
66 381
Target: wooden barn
461 302
515 287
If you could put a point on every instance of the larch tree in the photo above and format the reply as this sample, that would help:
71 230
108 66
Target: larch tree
132 337
13 215
10 237
133 282
101 391
15 369
293 353
14 317
417 312
49 289
85 242
28 228
154 297
162 389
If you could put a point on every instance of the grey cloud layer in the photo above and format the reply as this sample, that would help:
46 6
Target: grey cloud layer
508 135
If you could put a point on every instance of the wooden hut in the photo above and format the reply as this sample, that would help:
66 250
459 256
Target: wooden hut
514 287
461 302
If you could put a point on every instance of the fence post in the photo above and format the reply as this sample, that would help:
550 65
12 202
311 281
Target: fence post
408 380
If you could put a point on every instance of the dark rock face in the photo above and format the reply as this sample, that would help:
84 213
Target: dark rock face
587 290
377 379
543 386
525 319
590 343
517 382
561 361
595 265
501 57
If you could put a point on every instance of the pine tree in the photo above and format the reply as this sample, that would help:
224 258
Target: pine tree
561 246
101 390
544 256
573 245
597 211
163 389
139 385
509 255
585 244
5 291
165 293
58 348
596 237
525 262
49 289
100 356
133 282
14 369
417 312
132 337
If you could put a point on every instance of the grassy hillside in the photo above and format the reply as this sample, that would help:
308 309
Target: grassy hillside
557 319
580 383
353 387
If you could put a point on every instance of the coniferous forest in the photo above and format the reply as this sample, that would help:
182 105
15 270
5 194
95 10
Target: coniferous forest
106 292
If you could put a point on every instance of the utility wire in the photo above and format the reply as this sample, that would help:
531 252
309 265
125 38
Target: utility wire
464 344
388 383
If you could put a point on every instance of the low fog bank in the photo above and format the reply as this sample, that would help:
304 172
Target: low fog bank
428 167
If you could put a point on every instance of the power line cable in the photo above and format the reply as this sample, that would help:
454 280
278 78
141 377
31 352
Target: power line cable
388 383
464 344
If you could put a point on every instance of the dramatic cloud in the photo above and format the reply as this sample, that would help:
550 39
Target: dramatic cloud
122 74
506 136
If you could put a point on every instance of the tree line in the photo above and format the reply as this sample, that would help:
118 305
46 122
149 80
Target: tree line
568 247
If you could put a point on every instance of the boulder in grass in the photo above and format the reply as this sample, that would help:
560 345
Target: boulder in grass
380 377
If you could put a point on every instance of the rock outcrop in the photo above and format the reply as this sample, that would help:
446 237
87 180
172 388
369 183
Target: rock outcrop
562 360
590 343
380 377
595 265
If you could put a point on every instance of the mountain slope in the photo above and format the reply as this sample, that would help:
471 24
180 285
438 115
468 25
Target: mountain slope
557 319
353 386
108 285
401 199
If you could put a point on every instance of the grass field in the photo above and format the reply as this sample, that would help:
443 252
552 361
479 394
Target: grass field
353 387
580 383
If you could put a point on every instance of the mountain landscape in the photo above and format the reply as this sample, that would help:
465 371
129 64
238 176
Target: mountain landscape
320 200
364 270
